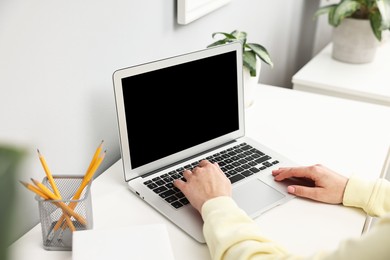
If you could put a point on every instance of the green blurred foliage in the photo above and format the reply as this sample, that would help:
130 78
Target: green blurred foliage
10 158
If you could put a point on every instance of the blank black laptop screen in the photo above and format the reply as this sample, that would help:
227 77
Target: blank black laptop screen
177 107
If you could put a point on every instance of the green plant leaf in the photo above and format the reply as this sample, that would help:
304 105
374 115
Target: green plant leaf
250 51
331 15
227 35
384 10
240 36
10 158
249 60
324 10
219 42
261 52
377 11
376 25
345 9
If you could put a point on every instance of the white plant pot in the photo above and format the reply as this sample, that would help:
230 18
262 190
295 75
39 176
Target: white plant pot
250 83
354 41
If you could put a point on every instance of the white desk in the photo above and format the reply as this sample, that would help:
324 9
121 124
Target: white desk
365 82
345 135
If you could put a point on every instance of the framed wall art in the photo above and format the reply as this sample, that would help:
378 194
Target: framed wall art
190 10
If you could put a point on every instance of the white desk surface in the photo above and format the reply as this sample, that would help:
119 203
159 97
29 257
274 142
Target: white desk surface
368 82
347 136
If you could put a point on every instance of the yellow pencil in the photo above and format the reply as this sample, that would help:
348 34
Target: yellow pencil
89 175
69 222
34 189
95 156
87 178
48 174
44 196
61 204
45 193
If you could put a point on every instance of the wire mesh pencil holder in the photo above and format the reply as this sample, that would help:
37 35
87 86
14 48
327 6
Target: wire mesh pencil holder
60 218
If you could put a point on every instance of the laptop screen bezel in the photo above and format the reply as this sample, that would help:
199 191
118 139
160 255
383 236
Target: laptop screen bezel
130 172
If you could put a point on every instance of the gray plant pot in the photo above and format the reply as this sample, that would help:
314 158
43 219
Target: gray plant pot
354 41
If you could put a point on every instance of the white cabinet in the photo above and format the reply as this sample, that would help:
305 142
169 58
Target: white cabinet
368 82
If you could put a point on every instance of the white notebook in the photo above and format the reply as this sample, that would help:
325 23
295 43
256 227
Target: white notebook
132 242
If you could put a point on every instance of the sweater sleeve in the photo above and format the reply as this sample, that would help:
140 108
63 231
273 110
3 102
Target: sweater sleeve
372 196
231 234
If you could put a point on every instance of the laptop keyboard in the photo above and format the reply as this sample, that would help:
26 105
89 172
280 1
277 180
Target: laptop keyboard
237 163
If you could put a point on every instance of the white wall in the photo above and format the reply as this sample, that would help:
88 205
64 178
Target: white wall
323 32
57 58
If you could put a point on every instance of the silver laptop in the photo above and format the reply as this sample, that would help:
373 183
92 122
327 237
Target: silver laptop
174 112
385 173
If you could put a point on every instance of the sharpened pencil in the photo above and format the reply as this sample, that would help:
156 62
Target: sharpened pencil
48 174
34 189
46 197
87 178
95 156
61 204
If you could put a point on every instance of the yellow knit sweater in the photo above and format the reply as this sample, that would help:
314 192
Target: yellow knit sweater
232 235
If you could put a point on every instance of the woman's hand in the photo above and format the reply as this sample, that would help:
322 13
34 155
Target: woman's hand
329 186
204 182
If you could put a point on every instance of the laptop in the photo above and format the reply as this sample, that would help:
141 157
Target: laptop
174 112
385 173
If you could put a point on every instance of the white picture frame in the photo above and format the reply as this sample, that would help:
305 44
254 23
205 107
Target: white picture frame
190 10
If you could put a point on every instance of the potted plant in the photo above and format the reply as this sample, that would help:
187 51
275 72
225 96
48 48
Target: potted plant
250 50
251 53
358 27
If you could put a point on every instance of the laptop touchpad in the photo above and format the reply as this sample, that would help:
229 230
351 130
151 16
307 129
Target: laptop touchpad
255 196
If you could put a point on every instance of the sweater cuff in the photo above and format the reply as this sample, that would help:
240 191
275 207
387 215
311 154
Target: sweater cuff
225 202
358 192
